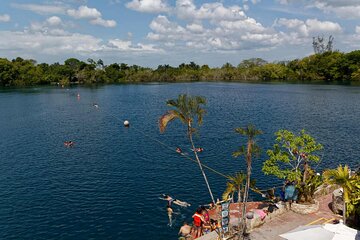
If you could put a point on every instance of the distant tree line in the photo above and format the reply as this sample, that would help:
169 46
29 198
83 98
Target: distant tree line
324 67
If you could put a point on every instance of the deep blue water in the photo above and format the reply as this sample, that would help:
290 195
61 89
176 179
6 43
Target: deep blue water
107 186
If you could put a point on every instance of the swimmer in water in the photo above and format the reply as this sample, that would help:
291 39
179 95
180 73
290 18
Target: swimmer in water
175 201
169 212
96 105
68 143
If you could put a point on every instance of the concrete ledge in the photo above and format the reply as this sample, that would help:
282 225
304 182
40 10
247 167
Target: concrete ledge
257 222
305 208
324 189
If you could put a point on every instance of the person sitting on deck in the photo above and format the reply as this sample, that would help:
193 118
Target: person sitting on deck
198 223
185 232
206 225
215 224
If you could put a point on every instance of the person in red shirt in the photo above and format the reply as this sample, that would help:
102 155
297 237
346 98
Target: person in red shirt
198 222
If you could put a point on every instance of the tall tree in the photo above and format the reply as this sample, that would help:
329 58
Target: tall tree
189 110
251 148
320 46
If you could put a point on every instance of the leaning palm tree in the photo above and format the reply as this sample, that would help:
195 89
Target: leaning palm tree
235 184
341 176
248 151
229 191
189 110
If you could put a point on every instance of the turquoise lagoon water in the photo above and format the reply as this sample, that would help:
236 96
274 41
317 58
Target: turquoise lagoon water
107 186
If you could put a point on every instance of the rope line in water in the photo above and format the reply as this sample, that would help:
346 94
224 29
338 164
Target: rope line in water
171 148
182 154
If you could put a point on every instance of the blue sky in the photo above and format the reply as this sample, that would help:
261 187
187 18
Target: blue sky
153 32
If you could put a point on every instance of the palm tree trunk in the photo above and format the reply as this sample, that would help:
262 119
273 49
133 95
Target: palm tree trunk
239 194
345 198
198 160
247 187
344 213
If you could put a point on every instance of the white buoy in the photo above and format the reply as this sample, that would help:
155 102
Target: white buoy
126 123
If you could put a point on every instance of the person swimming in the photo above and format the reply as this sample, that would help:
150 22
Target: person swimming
68 143
198 149
169 212
96 105
171 200
178 150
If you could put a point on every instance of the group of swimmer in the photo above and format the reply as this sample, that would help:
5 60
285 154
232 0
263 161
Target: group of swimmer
202 224
179 150
170 201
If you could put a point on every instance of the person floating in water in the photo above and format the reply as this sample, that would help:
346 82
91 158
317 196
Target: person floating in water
169 212
68 143
171 200
96 105
198 149
178 150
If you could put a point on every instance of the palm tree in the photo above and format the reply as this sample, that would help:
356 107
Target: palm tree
187 109
341 176
235 184
251 148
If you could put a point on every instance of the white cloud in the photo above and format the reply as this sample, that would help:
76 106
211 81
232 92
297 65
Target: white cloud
5 18
43 43
186 9
357 29
56 43
54 21
84 12
310 26
45 9
104 23
348 9
220 36
94 16
124 45
315 25
150 6
195 27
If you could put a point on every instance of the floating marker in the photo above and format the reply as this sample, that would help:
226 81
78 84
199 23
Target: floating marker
126 123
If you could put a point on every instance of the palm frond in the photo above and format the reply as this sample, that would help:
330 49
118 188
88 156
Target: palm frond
230 188
166 118
256 150
240 152
250 131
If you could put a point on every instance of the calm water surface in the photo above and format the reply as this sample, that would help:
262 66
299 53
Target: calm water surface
107 186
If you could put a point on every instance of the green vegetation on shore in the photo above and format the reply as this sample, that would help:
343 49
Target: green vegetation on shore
327 67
